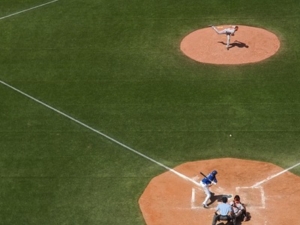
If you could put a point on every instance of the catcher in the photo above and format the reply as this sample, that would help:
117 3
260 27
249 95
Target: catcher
238 210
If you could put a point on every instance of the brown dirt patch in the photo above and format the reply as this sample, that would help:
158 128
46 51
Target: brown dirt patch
249 45
168 197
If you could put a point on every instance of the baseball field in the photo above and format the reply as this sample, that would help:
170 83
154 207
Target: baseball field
97 99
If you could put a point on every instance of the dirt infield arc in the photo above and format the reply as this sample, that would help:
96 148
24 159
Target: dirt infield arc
169 199
248 45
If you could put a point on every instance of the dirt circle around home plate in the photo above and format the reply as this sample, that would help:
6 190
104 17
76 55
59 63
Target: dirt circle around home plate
248 45
271 194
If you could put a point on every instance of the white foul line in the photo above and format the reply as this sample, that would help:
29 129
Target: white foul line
263 198
273 176
102 134
25 10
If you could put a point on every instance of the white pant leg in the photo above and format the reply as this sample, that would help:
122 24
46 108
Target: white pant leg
207 192
219 32
228 40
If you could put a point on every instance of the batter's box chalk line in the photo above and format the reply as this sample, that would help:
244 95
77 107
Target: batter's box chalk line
198 196
252 197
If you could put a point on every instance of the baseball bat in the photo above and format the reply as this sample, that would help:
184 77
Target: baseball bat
203 175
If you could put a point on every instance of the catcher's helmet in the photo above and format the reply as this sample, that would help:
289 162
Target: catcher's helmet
214 172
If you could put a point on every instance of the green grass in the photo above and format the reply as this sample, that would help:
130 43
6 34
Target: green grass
117 67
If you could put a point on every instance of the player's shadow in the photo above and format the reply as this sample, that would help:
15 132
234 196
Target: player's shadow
218 198
236 43
248 216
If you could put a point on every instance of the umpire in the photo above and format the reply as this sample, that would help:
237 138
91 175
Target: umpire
223 211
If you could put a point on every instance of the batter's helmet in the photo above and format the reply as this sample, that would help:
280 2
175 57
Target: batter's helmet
214 172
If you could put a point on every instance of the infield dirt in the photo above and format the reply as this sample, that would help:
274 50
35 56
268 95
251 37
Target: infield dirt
248 45
170 199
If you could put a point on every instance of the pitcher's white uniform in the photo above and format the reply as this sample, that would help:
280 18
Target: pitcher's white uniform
228 31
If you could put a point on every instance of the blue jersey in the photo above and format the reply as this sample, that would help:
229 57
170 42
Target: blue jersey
209 179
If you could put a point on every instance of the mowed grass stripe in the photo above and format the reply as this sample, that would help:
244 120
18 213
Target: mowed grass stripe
118 66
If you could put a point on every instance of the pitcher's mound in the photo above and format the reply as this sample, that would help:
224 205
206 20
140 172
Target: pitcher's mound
248 45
